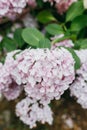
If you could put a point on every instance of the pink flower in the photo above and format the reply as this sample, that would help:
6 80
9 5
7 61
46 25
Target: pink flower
64 43
13 91
30 112
45 73
9 8
61 5
79 86
8 86
32 3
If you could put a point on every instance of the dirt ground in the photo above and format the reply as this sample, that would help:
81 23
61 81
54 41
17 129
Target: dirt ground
68 115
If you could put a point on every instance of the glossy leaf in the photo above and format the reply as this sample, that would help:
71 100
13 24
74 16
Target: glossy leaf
76 9
45 17
18 38
54 29
32 36
79 23
45 43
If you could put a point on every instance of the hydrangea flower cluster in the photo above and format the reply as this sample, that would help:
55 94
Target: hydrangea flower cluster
42 74
79 86
61 5
45 73
12 7
8 86
30 112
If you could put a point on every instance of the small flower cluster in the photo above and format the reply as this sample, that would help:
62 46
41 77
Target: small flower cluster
65 43
42 74
31 111
62 5
12 7
79 86
8 86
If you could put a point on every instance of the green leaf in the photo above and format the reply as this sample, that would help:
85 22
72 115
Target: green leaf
84 46
45 43
32 36
81 44
79 23
1 46
54 29
9 44
45 17
76 58
76 9
39 3
18 38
